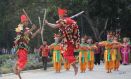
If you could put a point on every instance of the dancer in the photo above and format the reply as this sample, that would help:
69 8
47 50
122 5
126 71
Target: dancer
24 34
90 54
57 49
83 55
44 50
97 54
107 53
66 63
125 50
116 56
69 34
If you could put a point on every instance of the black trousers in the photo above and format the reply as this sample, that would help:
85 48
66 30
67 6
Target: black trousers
44 60
97 59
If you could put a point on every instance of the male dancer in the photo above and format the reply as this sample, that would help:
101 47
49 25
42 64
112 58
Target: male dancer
24 34
69 34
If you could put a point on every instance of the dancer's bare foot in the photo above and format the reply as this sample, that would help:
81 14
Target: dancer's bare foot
19 74
76 70
110 71
16 71
67 69
107 71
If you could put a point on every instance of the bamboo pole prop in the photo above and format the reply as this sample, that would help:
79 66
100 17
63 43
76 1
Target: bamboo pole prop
42 27
27 16
77 14
39 21
44 18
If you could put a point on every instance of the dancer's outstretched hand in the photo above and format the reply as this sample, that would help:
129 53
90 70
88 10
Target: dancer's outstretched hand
39 30
34 27
46 22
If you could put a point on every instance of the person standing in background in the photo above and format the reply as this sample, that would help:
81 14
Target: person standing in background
125 50
44 50
97 54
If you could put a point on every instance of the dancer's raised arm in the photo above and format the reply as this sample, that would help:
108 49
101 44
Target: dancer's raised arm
52 25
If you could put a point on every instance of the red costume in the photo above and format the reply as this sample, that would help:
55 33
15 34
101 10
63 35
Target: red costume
21 42
70 34
22 58
44 50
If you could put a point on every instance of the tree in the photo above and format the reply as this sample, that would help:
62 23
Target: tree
99 16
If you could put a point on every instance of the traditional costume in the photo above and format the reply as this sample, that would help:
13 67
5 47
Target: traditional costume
125 50
21 42
116 56
90 56
70 34
108 52
44 50
57 57
83 56
66 63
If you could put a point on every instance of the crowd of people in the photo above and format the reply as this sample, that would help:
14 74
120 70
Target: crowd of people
90 53
7 51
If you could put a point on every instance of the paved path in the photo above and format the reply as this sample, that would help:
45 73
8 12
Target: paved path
98 73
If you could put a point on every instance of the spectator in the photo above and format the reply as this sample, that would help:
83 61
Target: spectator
44 50
13 50
0 51
97 54
3 51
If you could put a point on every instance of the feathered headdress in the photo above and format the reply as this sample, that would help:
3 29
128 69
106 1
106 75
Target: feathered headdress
23 18
62 12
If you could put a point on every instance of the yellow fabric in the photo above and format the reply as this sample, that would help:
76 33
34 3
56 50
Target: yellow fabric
116 57
83 54
108 64
117 64
90 65
56 47
83 67
66 65
57 65
55 57
107 46
106 55
91 56
114 52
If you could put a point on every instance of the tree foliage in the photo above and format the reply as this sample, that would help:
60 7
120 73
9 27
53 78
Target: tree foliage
113 14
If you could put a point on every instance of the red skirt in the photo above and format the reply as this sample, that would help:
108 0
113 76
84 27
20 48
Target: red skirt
69 53
22 58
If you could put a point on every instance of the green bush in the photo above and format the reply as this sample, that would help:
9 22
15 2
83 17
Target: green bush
8 61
